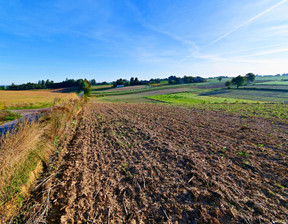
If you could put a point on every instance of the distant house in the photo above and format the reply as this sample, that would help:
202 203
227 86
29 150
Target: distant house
119 86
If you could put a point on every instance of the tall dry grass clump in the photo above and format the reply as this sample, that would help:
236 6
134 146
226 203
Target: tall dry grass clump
25 151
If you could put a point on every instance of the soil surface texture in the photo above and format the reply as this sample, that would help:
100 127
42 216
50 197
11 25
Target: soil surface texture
142 163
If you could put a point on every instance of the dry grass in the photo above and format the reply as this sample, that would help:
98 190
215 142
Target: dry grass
30 98
24 152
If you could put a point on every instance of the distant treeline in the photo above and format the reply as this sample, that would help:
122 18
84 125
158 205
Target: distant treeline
171 80
84 83
284 74
185 79
42 84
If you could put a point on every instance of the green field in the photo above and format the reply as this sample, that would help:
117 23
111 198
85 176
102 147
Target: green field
244 102
281 83
254 95
270 102
192 98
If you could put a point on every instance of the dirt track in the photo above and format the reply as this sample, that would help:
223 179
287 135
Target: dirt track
153 164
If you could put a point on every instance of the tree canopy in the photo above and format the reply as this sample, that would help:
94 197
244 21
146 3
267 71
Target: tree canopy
250 77
238 81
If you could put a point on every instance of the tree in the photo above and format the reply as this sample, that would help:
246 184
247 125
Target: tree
120 82
188 79
238 81
171 79
93 82
136 81
86 89
132 82
219 79
250 77
228 84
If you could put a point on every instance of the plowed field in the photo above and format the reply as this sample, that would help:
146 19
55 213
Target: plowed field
158 164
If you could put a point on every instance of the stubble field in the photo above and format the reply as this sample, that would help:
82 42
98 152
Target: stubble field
30 99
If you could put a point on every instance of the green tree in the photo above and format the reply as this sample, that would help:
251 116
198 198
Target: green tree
250 77
86 87
93 82
228 84
219 79
132 82
238 81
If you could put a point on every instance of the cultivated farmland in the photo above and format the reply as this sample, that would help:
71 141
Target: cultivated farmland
168 154
142 163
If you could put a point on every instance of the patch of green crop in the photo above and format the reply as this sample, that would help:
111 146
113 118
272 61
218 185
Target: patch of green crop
194 98
278 82
213 101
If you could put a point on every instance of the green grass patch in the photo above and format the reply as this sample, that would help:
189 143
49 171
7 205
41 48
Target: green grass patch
242 107
6 116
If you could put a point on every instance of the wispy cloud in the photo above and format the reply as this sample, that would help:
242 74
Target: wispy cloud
159 30
268 52
247 22
196 51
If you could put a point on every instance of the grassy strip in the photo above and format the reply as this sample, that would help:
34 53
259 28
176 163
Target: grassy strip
24 152
6 116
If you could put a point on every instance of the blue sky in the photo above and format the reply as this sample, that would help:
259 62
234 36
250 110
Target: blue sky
109 39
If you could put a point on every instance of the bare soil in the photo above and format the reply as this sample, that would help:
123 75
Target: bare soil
142 163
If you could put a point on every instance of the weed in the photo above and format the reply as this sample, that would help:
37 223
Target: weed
271 192
56 141
240 153
246 162
280 186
